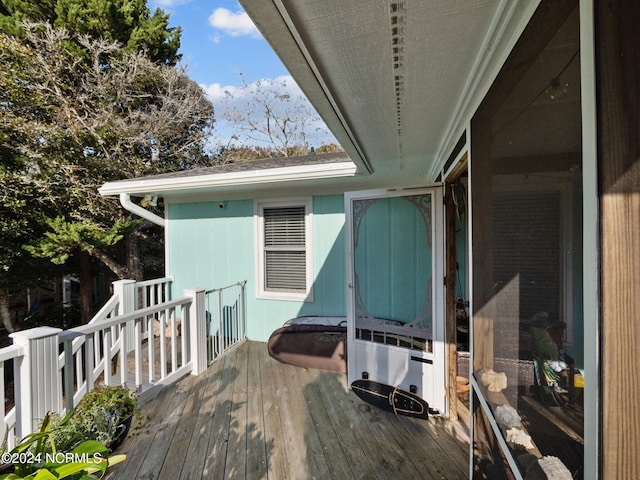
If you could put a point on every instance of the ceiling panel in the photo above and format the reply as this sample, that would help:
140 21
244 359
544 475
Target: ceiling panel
387 76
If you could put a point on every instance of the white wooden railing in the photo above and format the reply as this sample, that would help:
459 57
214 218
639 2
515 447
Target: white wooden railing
8 356
225 314
140 338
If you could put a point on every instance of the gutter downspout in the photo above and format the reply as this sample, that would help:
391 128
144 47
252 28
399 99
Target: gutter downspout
125 201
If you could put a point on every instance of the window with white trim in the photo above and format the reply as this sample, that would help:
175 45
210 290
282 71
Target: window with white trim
284 249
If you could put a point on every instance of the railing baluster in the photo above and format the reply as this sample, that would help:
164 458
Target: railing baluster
229 317
124 353
69 390
151 347
106 348
174 345
79 378
221 336
244 313
152 296
89 364
163 345
184 332
137 352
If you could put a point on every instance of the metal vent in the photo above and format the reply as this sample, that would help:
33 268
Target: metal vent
397 21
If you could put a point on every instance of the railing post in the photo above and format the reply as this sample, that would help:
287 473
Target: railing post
125 290
197 333
38 387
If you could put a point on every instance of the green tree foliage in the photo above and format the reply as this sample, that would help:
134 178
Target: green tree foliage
128 22
74 121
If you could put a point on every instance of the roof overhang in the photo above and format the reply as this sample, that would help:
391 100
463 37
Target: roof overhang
163 185
396 81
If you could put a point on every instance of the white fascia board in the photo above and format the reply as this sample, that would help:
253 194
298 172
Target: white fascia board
250 177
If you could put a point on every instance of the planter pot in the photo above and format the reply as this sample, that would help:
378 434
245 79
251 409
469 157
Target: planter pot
123 431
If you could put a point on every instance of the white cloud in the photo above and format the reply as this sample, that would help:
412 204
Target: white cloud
284 84
233 24
216 92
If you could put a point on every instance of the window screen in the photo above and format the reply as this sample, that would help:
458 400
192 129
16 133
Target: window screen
526 230
526 176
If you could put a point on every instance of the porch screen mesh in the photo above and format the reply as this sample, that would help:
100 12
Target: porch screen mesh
284 248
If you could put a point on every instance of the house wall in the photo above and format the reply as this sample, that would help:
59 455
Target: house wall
212 247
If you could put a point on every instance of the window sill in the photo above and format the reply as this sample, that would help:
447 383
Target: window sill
306 297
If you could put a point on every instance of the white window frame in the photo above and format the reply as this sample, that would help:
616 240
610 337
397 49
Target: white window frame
262 291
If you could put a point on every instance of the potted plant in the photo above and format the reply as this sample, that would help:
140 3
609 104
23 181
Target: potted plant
104 414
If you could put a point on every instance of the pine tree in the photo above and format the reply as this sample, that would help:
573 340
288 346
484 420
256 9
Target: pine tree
79 111
128 22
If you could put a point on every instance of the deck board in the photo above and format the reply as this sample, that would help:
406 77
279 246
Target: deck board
274 437
199 443
249 416
216 454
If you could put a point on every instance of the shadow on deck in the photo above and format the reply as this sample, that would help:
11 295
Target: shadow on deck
249 416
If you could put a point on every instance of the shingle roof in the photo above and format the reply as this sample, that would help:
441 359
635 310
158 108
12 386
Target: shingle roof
254 165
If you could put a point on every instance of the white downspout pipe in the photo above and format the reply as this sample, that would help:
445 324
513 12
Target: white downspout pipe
125 201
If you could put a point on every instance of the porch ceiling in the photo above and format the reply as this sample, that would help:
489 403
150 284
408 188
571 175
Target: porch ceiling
389 78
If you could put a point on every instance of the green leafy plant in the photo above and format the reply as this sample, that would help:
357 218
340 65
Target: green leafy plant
104 414
37 457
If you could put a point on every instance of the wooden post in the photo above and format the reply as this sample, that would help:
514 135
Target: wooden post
38 387
197 330
450 296
618 110
125 290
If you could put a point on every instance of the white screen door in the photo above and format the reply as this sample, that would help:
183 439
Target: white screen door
395 299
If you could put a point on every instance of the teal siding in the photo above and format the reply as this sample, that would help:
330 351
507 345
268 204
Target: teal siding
329 287
210 247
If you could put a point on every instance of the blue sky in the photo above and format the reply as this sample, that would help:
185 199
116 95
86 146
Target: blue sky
219 42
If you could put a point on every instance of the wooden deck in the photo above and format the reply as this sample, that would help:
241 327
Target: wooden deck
249 416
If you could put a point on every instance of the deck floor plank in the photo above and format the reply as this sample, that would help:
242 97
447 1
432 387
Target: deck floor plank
256 444
137 445
331 449
448 453
377 443
359 451
249 416
216 456
199 443
393 459
164 424
273 433
181 439
236 463
304 452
